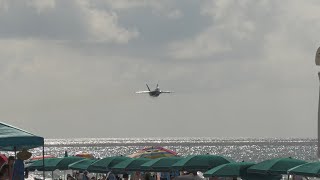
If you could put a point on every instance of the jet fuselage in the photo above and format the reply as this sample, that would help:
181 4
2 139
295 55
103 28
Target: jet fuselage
155 93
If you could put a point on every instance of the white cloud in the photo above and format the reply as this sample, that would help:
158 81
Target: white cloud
175 14
103 25
42 5
165 8
4 5
77 20
250 24
128 4
233 24
204 45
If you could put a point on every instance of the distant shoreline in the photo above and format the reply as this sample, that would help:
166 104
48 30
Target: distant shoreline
100 142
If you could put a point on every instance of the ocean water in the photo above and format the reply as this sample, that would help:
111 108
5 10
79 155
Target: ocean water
239 149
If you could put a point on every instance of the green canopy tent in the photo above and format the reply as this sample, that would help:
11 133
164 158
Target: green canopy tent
105 164
16 139
160 164
200 162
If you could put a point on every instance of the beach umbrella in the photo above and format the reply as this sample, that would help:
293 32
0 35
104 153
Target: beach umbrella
82 164
275 166
130 164
85 155
33 159
65 161
200 162
309 169
102 165
153 152
235 169
41 157
52 164
3 159
160 164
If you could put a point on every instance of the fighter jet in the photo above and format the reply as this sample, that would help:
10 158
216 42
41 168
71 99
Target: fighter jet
155 93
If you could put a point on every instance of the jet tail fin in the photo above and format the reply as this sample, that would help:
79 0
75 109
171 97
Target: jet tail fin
148 87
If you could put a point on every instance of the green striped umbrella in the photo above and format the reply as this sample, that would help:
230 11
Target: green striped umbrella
130 164
52 164
235 169
275 166
309 169
200 162
160 164
105 164
82 165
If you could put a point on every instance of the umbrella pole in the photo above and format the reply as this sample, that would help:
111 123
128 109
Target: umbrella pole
52 175
43 162
15 153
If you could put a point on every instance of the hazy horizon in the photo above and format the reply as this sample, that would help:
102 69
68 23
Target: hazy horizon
238 68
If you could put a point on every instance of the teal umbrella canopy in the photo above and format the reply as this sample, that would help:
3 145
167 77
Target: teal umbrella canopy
66 161
105 164
309 169
200 162
15 139
160 164
130 164
52 164
236 169
82 164
275 166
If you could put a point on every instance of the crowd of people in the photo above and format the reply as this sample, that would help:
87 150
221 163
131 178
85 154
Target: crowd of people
14 169
109 176
136 176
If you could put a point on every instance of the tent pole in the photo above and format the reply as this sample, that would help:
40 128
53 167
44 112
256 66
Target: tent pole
43 162
318 153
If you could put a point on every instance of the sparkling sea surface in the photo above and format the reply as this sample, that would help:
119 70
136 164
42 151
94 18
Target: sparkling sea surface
239 149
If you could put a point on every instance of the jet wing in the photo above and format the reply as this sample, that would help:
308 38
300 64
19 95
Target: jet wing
167 92
142 92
